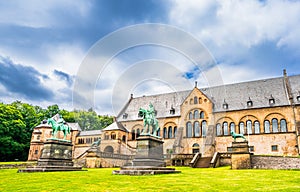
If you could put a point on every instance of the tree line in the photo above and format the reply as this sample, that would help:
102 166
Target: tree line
17 121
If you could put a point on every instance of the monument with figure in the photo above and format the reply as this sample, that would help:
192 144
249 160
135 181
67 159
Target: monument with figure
57 152
149 156
240 154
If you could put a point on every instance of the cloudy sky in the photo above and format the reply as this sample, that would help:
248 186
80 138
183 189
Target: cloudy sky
52 51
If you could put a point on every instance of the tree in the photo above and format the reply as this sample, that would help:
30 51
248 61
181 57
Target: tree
13 135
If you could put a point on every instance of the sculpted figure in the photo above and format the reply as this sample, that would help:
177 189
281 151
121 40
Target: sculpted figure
149 120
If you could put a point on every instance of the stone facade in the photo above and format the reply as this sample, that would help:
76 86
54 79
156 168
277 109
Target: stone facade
266 111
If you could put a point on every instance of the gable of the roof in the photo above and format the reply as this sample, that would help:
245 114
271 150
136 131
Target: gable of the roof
115 126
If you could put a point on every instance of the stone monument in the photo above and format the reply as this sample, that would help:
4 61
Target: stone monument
149 156
240 154
57 153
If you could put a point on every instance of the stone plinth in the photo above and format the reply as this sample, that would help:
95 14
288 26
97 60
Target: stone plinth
149 152
240 155
56 156
148 160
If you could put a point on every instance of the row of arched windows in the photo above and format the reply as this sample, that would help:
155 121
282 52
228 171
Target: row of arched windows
250 127
196 129
197 100
196 115
88 140
167 132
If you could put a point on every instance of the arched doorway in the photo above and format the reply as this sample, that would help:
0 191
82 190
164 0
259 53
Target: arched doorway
109 149
196 148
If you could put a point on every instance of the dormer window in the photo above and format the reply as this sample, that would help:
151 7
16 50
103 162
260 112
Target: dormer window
125 115
172 111
271 100
298 98
225 105
249 103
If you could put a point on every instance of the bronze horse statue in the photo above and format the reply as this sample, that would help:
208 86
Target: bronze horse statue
58 127
149 120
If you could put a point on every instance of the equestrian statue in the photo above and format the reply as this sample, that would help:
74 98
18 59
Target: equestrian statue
149 120
58 125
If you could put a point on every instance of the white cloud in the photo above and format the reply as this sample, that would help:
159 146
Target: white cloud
36 13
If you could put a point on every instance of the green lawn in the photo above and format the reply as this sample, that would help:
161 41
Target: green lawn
218 179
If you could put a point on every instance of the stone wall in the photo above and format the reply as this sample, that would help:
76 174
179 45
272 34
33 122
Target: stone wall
273 162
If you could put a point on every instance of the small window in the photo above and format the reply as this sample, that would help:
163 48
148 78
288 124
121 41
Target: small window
225 128
219 131
133 134
195 100
298 98
165 132
283 125
249 103
36 152
225 106
201 115
38 137
272 101
274 147
251 148
242 127
125 115
196 114
172 111
113 136
190 115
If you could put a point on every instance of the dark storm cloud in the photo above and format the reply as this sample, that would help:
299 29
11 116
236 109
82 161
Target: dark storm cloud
22 80
64 76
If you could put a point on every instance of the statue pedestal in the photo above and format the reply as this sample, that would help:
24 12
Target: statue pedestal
149 152
56 156
148 159
240 155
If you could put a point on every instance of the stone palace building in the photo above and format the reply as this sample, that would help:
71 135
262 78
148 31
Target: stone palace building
200 120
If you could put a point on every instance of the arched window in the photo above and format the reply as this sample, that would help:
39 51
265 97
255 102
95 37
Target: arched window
195 100
196 129
189 129
196 148
201 115
190 115
165 132
232 127
113 136
219 131
158 132
204 125
175 131
124 138
267 126
274 125
133 134
256 127
242 127
138 133
225 128
196 114
170 132
200 100
283 125
249 126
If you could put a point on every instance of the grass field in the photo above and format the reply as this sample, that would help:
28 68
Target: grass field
218 179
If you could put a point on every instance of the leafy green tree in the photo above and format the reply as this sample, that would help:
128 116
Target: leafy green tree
13 134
